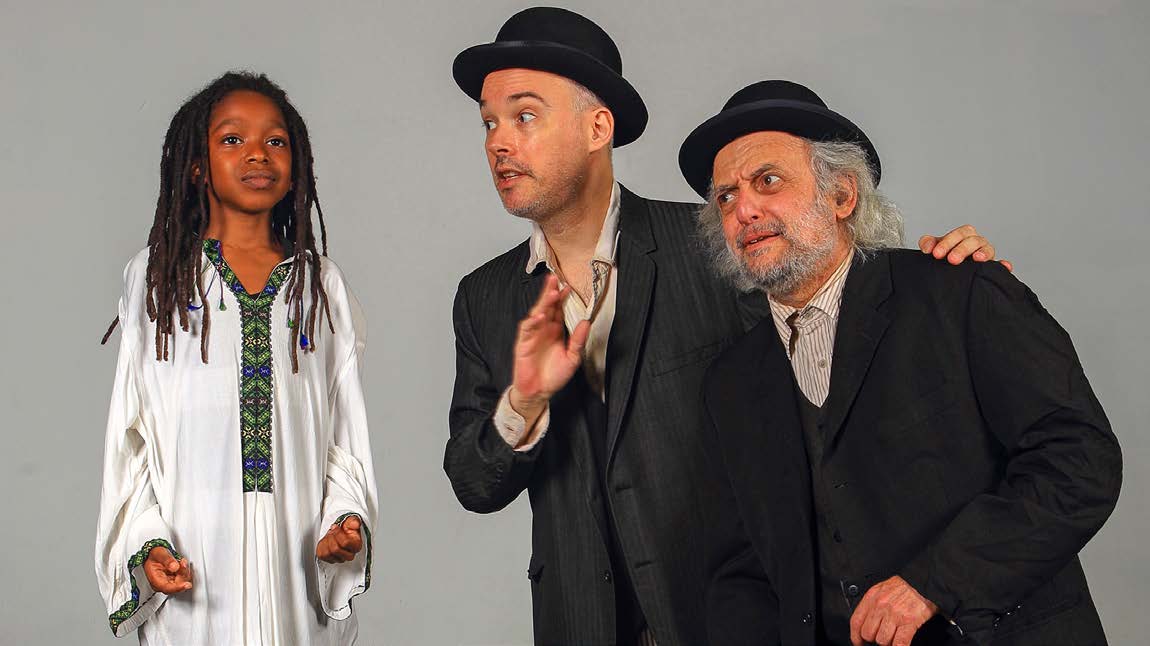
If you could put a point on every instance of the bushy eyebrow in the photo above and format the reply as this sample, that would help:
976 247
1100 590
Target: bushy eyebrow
759 172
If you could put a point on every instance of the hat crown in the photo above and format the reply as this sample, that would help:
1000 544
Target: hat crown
555 25
767 106
774 91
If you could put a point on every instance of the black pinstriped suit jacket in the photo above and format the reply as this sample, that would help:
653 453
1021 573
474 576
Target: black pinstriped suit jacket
672 316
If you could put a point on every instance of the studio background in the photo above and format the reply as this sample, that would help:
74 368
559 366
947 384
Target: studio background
1026 118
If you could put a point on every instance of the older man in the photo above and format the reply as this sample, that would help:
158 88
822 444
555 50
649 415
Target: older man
604 435
911 450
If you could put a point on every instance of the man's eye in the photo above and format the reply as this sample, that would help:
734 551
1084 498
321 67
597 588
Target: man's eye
725 198
488 124
770 179
525 117
231 140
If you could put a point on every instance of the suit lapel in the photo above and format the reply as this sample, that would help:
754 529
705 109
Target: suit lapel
861 326
760 412
635 283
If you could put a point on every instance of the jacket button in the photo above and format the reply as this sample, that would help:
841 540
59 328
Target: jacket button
607 575
853 590
807 619
838 537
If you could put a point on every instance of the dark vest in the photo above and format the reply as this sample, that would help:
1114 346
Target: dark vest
838 595
837 598
629 620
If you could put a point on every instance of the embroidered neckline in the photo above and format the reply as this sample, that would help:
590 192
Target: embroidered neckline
255 369
213 249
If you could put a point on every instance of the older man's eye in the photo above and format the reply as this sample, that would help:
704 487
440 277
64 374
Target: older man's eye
770 179
725 198
526 117
488 124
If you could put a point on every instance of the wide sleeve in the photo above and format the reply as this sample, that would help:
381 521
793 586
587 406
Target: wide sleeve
130 522
1063 469
486 473
349 483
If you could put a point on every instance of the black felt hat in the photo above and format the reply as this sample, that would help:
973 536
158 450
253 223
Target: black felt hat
780 106
561 42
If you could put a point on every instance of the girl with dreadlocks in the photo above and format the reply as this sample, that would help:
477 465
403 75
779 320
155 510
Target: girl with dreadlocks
238 494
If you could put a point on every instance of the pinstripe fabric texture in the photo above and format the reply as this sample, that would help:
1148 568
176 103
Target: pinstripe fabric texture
672 317
810 331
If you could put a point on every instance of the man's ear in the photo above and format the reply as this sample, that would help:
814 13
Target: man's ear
602 128
845 197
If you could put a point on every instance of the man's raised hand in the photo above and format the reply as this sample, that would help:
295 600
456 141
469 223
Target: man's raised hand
545 358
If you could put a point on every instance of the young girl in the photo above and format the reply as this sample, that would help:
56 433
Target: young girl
238 498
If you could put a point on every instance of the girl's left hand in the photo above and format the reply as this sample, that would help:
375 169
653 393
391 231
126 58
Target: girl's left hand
342 542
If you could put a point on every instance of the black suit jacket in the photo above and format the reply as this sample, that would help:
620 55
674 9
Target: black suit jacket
965 452
672 316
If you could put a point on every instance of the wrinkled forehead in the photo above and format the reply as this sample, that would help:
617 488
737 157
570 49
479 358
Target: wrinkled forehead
740 158
516 84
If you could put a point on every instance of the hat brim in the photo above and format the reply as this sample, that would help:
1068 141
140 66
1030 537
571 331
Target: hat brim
697 154
473 65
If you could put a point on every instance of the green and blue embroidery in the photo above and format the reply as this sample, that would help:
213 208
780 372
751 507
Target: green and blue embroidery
255 369
136 560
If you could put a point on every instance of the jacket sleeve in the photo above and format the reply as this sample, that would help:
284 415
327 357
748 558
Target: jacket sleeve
130 522
1063 469
485 472
741 605
349 481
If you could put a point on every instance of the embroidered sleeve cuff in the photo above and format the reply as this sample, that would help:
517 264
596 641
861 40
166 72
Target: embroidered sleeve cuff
512 427
341 582
141 602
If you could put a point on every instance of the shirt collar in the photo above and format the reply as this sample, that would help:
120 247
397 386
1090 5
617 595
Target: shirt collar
827 300
604 249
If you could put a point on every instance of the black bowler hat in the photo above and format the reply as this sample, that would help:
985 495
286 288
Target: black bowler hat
780 106
561 42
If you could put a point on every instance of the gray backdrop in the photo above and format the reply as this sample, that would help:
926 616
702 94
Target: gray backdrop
1025 117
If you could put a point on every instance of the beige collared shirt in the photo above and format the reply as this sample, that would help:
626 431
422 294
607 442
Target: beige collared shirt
814 327
600 311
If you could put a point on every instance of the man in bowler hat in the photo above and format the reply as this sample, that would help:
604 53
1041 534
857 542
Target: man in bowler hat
580 352
909 450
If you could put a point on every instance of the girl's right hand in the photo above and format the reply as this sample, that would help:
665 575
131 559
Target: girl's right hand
165 573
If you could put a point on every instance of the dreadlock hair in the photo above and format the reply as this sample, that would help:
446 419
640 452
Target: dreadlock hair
175 244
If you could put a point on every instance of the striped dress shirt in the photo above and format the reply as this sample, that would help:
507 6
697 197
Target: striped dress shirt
808 333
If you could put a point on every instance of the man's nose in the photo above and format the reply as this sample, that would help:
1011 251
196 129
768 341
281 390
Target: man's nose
501 141
747 209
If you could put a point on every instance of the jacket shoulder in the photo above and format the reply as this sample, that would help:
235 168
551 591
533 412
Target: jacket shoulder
923 277
672 222
496 274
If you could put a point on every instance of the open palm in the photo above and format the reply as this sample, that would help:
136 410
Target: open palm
545 359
